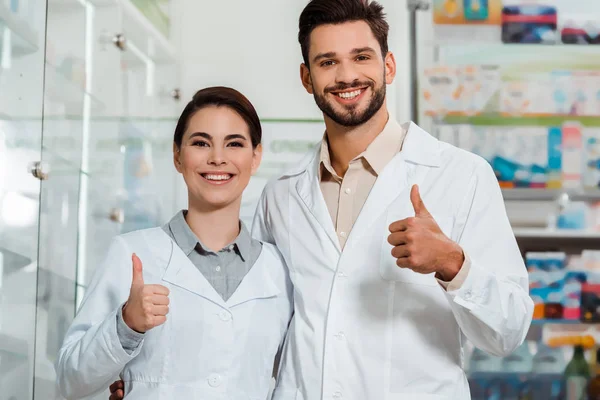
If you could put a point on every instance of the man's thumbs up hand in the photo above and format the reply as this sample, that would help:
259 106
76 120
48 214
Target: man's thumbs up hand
147 305
420 244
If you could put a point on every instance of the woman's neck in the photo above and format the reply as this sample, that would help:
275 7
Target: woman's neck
215 228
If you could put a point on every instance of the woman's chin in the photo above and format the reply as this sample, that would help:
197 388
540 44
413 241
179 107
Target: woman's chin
215 203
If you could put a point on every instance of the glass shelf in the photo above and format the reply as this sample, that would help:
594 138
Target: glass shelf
61 88
24 40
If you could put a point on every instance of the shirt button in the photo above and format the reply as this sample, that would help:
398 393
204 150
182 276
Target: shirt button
343 234
218 269
342 275
214 380
468 295
348 191
225 316
337 395
340 336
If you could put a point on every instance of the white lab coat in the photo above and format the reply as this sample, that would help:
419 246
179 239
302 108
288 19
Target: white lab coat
364 328
207 349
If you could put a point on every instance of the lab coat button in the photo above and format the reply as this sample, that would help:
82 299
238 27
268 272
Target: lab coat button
340 336
224 315
468 295
337 395
214 380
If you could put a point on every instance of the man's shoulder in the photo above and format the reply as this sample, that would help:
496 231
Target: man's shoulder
462 160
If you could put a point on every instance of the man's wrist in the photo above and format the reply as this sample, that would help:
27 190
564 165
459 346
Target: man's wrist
451 268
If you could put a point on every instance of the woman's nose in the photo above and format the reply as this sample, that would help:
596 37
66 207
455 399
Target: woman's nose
216 157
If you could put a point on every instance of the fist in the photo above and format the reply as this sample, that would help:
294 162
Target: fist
147 305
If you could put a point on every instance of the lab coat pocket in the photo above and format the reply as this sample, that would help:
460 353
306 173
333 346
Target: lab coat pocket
390 271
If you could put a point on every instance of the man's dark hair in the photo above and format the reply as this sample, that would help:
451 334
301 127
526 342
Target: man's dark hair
325 12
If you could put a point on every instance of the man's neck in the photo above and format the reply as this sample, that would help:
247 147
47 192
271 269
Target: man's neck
346 143
214 228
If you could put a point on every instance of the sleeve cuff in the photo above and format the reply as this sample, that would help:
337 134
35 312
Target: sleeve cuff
460 278
130 339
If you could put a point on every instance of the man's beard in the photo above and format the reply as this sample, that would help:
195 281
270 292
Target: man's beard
350 117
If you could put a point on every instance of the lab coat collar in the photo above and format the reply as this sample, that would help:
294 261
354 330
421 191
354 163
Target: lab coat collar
181 272
419 147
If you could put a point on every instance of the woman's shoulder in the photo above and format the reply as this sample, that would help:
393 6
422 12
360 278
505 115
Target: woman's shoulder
143 236
152 242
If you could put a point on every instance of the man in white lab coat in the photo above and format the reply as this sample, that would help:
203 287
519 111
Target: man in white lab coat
398 245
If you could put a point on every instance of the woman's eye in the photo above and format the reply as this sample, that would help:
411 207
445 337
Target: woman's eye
235 144
200 143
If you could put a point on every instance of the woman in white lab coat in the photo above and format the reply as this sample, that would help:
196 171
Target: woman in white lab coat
153 316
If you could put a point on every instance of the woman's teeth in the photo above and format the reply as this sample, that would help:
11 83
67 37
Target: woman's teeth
350 95
212 177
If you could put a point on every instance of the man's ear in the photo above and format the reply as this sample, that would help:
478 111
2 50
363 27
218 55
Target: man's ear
306 78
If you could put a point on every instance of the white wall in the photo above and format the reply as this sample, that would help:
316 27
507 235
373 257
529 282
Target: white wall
252 46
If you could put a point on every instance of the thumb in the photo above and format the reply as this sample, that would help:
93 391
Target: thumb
138 276
417 202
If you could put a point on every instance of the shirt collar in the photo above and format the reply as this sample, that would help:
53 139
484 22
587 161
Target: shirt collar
378 154
182 233
385 146
186 239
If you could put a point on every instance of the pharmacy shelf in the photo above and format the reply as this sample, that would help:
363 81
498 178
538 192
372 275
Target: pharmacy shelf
24 39
561 322
524 194
533 233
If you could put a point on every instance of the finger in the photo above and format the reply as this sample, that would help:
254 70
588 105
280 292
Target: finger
417 202
404 262
160 310
398 238
159 320
400 252
118 395
158 289
138 276
400 225
116 385
160 300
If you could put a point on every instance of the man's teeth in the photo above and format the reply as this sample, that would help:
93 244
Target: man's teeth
212 177
350 95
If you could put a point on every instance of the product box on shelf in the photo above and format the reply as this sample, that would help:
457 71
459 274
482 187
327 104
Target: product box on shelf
529 24
572 152
590 302
554 157
591 158
580 30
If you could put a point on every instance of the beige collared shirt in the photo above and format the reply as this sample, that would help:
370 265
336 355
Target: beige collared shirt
345 196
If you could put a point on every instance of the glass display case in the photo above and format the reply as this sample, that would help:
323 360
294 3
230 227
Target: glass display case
88 104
